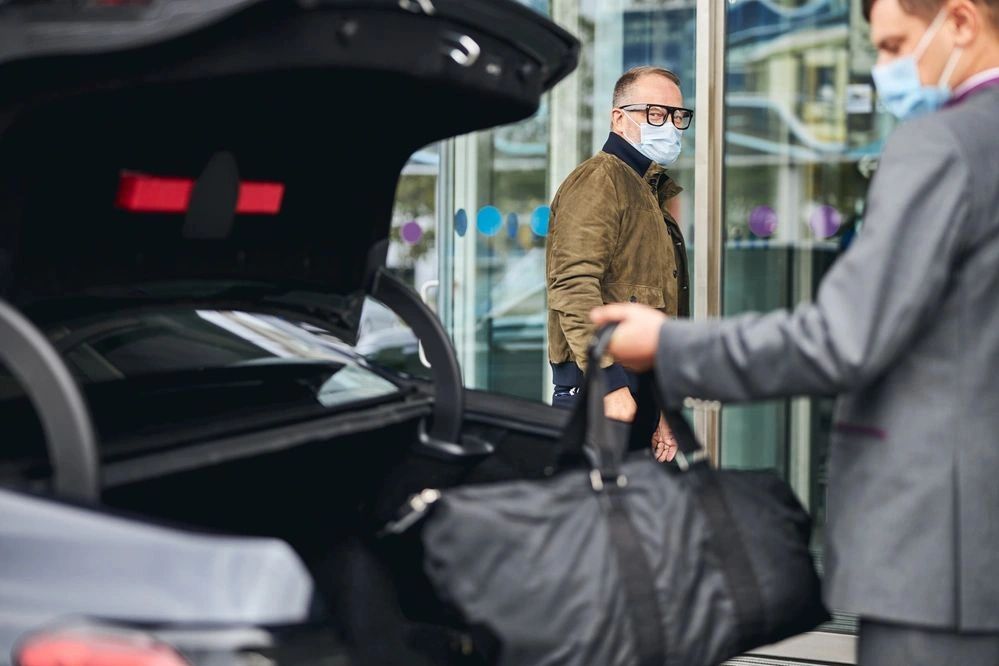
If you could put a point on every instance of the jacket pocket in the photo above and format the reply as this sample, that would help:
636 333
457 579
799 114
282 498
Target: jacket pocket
622 292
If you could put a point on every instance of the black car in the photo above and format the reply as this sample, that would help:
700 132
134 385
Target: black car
195 196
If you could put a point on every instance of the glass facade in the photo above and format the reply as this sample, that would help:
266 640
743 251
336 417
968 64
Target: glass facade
801 140
499 318
490 192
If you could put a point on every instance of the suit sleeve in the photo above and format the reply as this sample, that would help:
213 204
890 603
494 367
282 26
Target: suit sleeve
870 305
584 234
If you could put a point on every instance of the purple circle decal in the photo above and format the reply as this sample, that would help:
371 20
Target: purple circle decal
412 232
825 221
763 221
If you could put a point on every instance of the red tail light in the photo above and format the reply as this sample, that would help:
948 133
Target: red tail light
95 650
138 193
260 198
146 194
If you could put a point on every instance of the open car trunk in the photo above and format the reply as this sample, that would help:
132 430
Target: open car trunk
306 97
240 158
252 151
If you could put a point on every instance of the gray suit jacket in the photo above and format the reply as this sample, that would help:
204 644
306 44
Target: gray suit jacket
905 329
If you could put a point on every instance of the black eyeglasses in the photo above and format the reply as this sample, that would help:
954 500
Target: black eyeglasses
657 114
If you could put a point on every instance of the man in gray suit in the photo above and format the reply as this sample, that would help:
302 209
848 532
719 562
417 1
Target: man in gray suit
905 329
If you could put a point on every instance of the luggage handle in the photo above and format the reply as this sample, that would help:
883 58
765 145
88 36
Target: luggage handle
600 438
603 444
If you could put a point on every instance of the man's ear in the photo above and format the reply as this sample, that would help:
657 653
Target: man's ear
968 19
619 122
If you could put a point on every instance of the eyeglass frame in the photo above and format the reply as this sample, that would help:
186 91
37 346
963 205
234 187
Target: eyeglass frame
670 113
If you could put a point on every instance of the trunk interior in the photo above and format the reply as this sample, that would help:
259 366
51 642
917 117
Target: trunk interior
311 494
329 498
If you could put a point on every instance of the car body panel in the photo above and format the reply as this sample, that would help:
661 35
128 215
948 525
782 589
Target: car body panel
62 560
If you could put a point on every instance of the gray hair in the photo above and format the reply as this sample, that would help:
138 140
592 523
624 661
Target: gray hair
624 84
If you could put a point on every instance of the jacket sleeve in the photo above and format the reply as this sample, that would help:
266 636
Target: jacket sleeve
870 306
583 235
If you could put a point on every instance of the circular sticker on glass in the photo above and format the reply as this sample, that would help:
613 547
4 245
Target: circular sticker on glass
763 221
512 222
489 220
825 221
539 220
412 232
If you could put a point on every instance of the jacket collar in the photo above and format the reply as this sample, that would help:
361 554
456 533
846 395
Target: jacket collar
654 174
619 147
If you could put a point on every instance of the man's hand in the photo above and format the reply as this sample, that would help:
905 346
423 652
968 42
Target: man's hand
620 405
663 442
634 343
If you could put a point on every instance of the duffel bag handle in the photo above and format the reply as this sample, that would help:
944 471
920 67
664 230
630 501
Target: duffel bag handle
600 436
604 441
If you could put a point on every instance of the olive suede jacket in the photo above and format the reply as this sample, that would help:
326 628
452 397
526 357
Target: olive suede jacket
611 239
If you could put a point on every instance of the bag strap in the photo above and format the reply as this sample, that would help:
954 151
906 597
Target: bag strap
601 437
603 442
733 559
648 625
691 458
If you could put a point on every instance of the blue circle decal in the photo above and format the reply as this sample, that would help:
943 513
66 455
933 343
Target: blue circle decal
489 220
539 220
460 222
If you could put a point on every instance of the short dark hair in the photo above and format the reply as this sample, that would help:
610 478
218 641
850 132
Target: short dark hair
927 9
629 78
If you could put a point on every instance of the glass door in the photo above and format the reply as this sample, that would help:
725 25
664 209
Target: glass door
801 138
468 233
498 224
472 213
504 180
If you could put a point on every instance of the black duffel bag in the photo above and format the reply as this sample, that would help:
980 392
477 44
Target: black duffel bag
629 563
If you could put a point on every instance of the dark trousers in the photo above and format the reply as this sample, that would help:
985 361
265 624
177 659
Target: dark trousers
565 397
882 644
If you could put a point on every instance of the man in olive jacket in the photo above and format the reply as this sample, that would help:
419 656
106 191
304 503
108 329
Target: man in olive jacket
613 237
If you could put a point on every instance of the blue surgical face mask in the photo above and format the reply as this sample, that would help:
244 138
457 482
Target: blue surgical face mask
899 87
659 144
